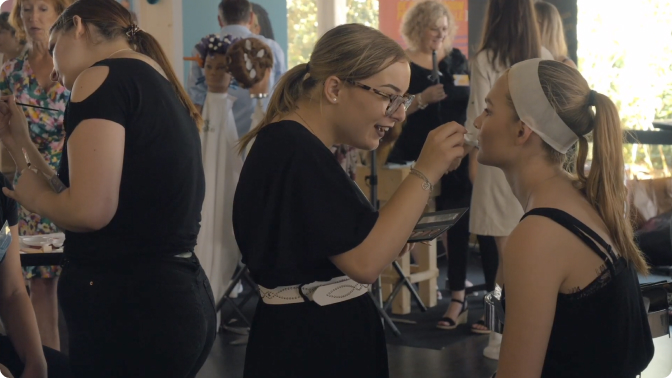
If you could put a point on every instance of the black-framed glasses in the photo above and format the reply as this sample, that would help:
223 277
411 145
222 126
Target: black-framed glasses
395 100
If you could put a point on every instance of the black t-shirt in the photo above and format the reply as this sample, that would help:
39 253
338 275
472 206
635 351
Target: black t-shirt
294 207
455 187
162 182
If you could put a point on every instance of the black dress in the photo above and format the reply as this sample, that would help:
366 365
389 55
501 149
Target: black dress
295 207
602 330
455 186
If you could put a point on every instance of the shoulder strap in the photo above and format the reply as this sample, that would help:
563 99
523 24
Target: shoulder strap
578 228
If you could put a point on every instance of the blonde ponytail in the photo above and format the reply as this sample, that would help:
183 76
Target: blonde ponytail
604 186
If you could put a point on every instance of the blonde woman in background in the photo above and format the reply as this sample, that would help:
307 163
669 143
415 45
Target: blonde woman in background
552 32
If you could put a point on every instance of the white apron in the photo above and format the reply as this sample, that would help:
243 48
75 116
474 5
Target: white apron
217 248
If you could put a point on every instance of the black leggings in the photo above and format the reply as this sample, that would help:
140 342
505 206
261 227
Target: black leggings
458 251
138 318
57 363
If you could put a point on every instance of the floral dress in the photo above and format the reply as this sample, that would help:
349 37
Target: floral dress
46 131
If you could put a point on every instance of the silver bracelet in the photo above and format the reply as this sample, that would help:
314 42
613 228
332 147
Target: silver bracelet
259 95
427 185
56 184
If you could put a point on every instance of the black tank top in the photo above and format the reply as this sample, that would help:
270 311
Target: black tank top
601 330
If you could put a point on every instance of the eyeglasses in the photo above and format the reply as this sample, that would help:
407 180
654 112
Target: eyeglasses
395 100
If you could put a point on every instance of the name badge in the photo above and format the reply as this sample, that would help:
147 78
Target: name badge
461 80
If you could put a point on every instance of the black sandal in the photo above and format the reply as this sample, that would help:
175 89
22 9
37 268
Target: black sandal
485 331
461 318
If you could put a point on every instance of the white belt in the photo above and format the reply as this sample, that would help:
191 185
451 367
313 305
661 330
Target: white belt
323 293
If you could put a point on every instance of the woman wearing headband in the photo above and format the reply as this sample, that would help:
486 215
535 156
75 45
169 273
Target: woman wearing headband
128 194
572 299
307 233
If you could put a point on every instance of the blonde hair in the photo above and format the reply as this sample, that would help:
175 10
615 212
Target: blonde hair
569 94
550 29
350 51
17 22
424 15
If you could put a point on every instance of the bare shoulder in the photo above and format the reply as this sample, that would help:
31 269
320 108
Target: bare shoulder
88 82
537 237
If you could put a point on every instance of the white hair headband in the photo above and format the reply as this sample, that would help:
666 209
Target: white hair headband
533 107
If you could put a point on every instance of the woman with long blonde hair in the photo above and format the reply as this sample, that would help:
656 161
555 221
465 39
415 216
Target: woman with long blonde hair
572 300
552 32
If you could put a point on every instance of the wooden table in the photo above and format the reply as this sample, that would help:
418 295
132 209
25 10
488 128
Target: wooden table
425 271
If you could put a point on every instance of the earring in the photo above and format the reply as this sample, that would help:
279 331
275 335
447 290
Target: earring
335 99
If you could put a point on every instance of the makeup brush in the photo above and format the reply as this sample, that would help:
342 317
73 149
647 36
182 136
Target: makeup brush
36 107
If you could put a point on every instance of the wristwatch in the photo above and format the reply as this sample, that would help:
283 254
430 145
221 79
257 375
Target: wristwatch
421 105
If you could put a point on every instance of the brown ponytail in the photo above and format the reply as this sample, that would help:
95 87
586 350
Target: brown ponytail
146 44
604 186
113 21
350 51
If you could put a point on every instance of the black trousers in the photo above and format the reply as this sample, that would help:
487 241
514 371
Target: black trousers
57 363
138 317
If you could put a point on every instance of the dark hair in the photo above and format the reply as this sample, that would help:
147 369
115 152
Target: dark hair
235 11
249 59
263 20
113 21
4 23
211 45
511 32
349 51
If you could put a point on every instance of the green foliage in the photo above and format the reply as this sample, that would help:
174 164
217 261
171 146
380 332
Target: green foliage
301 30
363 12
631 65
302 24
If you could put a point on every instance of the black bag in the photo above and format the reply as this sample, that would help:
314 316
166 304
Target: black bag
655 239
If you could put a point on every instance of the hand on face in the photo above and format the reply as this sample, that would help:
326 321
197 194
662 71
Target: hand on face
443 147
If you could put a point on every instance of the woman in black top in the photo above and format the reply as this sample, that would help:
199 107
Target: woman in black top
135 299
430 26
573 303
21 352
307 233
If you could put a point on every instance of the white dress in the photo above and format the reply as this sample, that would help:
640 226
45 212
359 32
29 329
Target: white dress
494 210
217 248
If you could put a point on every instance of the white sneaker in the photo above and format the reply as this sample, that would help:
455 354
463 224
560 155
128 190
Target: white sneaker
492 350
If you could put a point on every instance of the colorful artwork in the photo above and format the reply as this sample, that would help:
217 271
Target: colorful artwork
393 11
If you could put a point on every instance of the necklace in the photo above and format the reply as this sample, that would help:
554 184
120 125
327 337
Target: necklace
118 51
304 121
